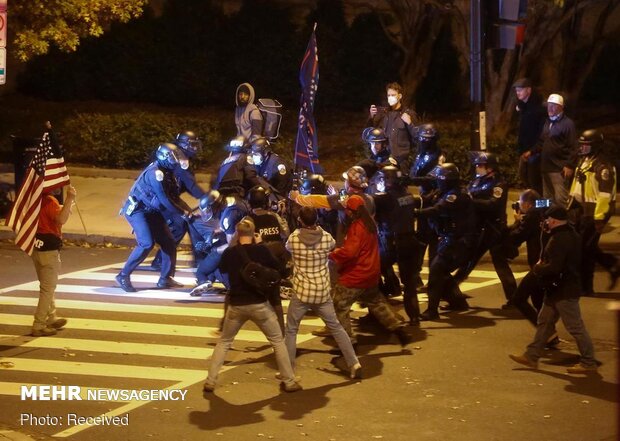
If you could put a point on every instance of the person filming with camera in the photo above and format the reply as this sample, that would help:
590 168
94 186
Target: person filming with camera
559 274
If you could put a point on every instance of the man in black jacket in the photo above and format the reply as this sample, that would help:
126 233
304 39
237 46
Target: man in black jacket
246 303
559 272
558 151
531 120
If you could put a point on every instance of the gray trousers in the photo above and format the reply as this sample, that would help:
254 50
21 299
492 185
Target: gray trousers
568 310
555 187
47 266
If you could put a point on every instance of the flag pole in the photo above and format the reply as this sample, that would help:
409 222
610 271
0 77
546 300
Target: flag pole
80 215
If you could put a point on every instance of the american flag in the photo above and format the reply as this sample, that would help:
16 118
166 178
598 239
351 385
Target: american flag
46 171
306 144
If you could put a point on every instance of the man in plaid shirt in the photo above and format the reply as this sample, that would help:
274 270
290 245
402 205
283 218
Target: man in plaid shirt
310 246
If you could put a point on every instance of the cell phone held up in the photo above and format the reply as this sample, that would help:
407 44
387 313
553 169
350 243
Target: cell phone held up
543 203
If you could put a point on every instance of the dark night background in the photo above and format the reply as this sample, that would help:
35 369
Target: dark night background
178 65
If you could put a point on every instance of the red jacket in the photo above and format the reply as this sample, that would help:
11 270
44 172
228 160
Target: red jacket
358 258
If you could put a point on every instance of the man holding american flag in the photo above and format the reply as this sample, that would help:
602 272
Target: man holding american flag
37 218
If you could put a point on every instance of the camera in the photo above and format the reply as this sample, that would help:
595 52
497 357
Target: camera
543 203
516 207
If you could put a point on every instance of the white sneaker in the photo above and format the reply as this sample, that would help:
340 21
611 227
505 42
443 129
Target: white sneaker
201 289
280 377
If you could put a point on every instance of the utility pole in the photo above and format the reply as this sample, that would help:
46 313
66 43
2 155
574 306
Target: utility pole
476 86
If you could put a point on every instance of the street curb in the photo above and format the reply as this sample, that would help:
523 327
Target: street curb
91 239
94 172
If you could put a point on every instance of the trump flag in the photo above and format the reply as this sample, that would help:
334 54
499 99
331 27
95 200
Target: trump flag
306 144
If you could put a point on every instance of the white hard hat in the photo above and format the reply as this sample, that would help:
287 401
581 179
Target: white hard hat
556 99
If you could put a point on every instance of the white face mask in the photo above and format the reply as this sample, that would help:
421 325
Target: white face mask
257 159
380 185
392 100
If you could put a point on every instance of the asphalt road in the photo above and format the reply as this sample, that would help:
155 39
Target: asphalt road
455 382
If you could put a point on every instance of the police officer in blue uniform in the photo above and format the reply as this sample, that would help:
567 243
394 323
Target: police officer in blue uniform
429 155
379 155
220 215
154 190
271 167
489 192
397 241
453 219
190 144
237 173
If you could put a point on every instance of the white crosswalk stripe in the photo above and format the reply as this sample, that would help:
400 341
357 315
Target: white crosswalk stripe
93 304
106 322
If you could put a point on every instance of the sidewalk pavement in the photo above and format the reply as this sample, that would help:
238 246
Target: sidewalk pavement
102 192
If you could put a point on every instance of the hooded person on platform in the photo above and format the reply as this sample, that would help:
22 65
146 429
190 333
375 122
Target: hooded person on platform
248 119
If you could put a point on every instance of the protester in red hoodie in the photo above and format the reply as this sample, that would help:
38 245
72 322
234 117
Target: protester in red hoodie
358 272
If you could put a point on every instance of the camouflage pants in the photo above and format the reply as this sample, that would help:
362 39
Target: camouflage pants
377 305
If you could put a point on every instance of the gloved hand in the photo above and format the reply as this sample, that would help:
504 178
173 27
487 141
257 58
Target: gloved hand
202 247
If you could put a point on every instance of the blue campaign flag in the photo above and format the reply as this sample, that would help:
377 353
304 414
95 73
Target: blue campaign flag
306 144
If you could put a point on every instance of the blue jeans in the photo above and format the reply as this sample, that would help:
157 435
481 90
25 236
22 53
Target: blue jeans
568 310
263 315
296 311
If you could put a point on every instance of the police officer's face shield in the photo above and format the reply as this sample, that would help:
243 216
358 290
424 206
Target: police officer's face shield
481 170
306 187
191 147
172 158
425 143
380 185
585 148
376 147
179 158
257 158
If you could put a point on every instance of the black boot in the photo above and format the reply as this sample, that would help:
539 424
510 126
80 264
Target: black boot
403 336
125 283
168 282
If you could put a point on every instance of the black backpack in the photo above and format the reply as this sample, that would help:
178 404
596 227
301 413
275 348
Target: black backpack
258 276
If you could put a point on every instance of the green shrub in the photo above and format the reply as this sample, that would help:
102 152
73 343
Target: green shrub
128 140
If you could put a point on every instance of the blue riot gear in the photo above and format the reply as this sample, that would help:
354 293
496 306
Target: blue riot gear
188 142
169 155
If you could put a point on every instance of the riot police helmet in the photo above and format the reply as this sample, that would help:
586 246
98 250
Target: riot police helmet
447 176
390 175
375 138
188 142
258 197
237 145
590 141
169 155
427 137
356 177
427 132
485 158
260 147
208 202
375 134
313 184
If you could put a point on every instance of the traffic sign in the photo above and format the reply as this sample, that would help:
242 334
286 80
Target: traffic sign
2 65
2 29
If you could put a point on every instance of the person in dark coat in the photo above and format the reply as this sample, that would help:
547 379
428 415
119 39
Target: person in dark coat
559 273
